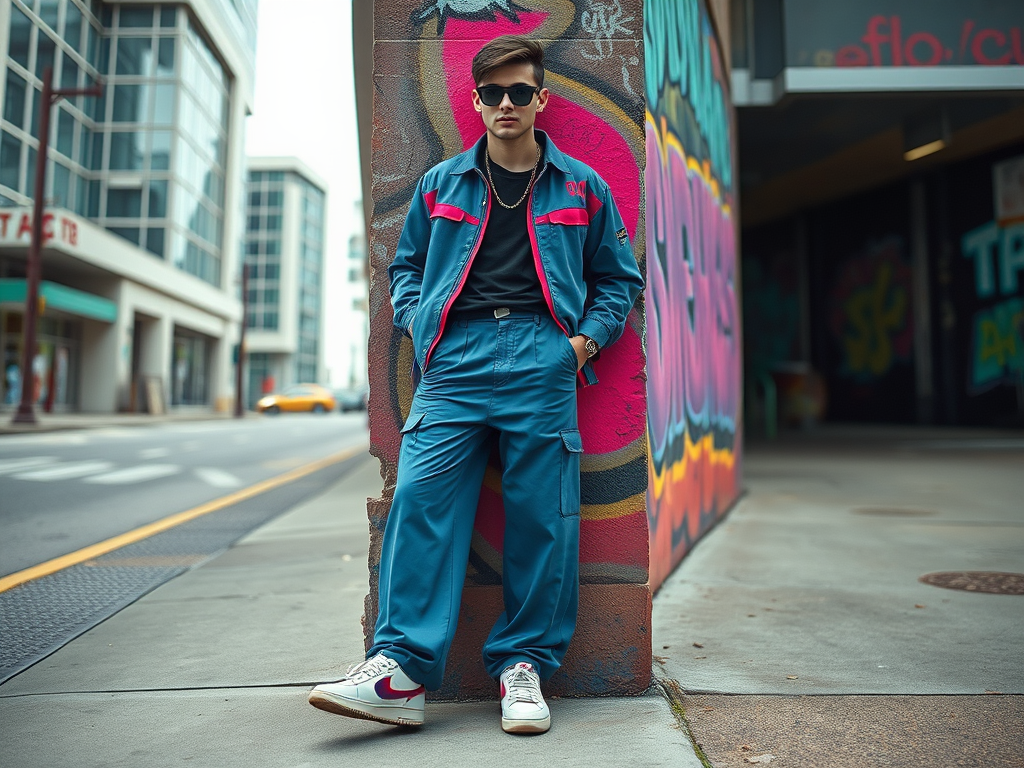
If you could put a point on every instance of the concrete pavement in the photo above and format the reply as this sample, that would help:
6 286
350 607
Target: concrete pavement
799 627
58 422
214 667
796 633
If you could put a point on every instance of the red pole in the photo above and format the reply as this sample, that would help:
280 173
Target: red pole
239 408
25 413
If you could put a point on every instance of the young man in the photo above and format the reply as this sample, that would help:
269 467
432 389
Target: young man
512 271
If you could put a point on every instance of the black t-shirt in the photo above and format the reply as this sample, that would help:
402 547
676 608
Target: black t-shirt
503 273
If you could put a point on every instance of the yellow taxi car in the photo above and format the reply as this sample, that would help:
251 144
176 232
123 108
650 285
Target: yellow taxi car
298 397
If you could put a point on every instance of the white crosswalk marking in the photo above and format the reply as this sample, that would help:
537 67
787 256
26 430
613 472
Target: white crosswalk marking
65 471
154 453
7 466
218 478
134 474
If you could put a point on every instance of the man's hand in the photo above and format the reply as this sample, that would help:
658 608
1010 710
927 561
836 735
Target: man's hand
579 343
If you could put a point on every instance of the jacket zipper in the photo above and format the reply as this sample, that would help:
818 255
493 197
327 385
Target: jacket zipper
465 273
539 265
535 247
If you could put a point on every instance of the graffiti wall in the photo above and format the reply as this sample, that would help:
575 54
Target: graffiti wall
693 324
861 306
987 233
422 114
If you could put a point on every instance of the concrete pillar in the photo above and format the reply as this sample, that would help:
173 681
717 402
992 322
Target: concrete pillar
155 354
642 508
922 303
106 360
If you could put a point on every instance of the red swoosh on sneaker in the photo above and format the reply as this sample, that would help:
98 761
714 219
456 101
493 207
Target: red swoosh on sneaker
385 691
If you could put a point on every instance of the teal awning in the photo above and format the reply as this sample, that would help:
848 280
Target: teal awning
56 296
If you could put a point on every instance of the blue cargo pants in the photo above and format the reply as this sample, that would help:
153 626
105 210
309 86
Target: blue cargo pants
512 378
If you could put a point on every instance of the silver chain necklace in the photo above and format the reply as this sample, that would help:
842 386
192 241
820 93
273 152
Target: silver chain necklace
502 203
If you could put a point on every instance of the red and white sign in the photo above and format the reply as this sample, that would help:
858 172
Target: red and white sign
16 227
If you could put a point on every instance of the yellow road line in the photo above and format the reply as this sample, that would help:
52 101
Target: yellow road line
124 539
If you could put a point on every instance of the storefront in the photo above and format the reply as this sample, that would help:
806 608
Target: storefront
56 368
190 364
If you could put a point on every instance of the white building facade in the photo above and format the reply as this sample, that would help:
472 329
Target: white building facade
141 263
355 323
286 205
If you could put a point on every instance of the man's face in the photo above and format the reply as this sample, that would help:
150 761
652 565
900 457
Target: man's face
506 121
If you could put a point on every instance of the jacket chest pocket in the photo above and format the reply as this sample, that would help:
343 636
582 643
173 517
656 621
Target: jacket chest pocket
569 217
564 231
452 213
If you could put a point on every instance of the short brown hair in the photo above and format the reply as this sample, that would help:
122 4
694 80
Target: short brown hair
509 49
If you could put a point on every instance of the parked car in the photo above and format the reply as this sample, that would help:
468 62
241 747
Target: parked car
351 399
298 397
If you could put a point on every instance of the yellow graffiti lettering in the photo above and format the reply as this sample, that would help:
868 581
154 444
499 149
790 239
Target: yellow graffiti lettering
872 314
994 345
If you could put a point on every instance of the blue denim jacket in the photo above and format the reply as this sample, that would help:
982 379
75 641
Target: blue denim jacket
581 250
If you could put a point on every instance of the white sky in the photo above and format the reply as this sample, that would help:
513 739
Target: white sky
305 107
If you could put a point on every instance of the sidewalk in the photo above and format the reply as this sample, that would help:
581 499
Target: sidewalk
796 634
54 422
213 668
799 628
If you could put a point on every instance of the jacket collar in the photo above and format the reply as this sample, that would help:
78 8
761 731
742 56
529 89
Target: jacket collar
472 158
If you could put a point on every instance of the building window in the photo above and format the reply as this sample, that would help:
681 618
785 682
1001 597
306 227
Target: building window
22 31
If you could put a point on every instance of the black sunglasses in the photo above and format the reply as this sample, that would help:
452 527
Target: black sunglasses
520 95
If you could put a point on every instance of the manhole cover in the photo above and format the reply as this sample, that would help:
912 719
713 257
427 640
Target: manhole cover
993 582
892 511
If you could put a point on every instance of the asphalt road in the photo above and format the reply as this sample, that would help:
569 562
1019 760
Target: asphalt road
63 491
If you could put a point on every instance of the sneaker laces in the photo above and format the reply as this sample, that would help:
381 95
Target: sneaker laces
370 668
523 684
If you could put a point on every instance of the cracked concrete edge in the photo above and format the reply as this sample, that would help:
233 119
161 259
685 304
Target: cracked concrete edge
674 694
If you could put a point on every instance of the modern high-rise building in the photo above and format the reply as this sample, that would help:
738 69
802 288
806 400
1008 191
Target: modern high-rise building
284 246
144 199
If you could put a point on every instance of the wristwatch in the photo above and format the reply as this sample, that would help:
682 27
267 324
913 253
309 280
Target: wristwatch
592 348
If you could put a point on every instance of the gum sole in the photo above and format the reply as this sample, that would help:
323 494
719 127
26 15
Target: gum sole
327 704
525 726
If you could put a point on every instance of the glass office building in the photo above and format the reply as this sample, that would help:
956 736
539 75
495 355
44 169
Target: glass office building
284 247
156 162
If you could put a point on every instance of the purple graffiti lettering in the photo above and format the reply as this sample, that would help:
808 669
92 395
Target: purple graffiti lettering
693 354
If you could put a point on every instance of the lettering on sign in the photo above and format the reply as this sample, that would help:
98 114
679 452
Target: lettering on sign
17 228
886 43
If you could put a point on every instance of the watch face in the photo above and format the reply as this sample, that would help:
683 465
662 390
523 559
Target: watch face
591 347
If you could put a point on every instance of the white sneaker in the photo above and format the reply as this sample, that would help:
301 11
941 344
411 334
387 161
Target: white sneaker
523 709
375 689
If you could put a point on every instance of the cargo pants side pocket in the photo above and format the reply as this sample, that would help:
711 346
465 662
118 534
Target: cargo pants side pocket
412 424
570 472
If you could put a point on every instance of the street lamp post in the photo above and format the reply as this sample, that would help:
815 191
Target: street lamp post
50 96
241 340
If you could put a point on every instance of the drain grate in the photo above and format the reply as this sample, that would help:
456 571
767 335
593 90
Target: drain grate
991 582
893 511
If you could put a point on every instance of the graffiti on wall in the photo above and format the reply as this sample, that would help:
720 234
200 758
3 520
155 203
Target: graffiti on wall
592 57
693 326
997 336
871 315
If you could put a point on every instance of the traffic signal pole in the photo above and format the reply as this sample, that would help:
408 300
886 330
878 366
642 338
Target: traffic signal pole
26 407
